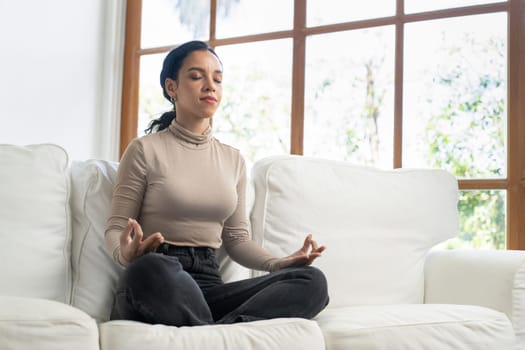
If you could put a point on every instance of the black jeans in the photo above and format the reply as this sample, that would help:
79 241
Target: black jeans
181 286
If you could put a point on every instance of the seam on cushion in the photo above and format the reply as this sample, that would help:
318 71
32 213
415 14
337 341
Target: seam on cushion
265 206
84 237
425 324
66 252
70 322
261 324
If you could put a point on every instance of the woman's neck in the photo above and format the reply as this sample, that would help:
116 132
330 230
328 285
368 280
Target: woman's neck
197 126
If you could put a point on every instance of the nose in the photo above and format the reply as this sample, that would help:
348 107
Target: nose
209 85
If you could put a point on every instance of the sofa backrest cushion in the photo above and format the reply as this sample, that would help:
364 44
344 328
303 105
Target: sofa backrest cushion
378 225
35 222
95 275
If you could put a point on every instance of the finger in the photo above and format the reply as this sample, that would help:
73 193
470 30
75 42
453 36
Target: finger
320 249
151 243
315 255
314 245
125 236
294 261
307 243
312 257
137 237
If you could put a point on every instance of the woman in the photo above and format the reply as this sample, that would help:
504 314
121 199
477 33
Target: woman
187 191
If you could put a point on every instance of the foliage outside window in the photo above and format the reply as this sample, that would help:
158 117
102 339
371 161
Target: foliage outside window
452 114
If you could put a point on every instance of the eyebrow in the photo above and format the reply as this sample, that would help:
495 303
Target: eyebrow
203 70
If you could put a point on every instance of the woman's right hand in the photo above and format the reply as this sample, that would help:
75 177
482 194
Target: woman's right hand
132 248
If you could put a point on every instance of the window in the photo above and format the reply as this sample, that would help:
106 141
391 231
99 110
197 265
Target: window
393 83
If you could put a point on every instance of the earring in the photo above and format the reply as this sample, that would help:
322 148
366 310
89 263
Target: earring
173 99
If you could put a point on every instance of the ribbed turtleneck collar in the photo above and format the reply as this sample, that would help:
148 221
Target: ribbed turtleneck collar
190 138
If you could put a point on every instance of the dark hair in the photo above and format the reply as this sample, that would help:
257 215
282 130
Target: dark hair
170 69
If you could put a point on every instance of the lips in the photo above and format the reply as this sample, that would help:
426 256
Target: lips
209 99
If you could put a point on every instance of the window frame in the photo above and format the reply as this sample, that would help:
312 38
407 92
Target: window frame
513 184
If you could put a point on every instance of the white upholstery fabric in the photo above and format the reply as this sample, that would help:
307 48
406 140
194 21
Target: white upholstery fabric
495 279
29 324
283 333
229 269
416 327
34 222
94 273
377 225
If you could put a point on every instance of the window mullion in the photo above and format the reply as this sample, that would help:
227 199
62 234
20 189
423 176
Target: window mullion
213 21
516 127
298 77
130 91
398 86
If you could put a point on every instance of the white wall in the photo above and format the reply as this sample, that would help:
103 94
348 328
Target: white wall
60 71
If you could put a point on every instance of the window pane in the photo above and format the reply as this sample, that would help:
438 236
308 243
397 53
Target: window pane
170 22
349 96
151 101
245 17
420 6
321 12
255 111
455 95
482 221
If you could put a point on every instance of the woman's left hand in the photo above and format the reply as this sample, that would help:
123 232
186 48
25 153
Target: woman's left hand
304 256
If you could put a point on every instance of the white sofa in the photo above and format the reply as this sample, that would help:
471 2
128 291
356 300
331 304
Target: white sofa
389 289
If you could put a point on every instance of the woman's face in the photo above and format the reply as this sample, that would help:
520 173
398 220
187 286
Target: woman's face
198 89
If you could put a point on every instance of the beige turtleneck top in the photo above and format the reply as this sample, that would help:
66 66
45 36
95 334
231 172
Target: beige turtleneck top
189 187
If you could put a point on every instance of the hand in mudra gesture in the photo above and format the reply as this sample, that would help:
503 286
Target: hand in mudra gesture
304 256
132 248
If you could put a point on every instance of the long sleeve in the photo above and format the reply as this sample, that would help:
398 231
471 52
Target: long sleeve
127 197
236 237
188 187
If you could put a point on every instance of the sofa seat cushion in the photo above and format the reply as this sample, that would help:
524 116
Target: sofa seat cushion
282 333
417 326
30 323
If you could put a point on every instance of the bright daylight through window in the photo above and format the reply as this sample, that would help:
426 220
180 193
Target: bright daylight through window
386 83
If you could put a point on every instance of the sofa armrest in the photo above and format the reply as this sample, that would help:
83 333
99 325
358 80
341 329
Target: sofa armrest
494 279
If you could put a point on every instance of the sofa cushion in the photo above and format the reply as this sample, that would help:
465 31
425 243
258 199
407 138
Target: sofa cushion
35 222
29 323
490 278
378 225
282 333
406 327
94 273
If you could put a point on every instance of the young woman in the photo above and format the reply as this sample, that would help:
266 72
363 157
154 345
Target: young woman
182 194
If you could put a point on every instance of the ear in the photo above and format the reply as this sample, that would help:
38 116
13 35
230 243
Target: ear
171 87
